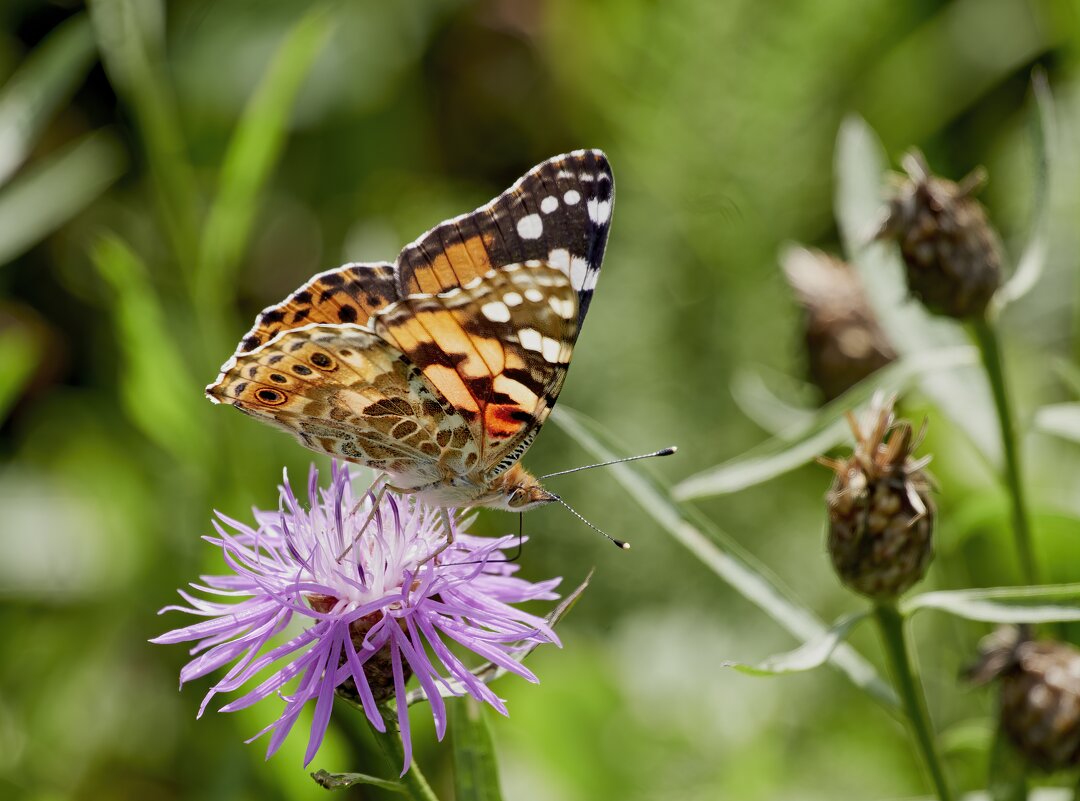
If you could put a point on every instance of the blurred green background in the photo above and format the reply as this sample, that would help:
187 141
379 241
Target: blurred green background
166 170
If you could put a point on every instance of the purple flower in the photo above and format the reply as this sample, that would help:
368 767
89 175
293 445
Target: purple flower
388 610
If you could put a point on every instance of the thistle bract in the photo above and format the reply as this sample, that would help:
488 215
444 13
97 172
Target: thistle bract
352 596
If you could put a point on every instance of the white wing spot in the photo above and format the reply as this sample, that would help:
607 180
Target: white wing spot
530 226
579 269
533 295
560 259
564 174
599 210
587 177
563 308
571 197
590 279
549 204
552 348
512 299
496 311
531 339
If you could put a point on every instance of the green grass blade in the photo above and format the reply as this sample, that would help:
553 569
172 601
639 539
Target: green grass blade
129 40
1002 604
54 190
963 395
253 152
476 775
19 355
1060 419
156 389
729 561
811 654
824 429
44 81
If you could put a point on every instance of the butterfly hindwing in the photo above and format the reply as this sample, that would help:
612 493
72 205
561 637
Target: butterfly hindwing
348 294
497 349
343 390
559 212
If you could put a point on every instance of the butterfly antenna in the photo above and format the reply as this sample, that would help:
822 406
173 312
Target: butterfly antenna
618 543
661 452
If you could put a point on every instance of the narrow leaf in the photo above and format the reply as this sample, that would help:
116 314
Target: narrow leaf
476 775
489 671
41 85
757 399
55 189
812 654
824 430
721 554
255 148
1033 259
343 781
1003 604
963 395
1060 419
157 391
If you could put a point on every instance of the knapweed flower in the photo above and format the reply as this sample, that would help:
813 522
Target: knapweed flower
390 608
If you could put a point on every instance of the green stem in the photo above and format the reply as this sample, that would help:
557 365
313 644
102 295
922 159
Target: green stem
991 355
390 743
910 690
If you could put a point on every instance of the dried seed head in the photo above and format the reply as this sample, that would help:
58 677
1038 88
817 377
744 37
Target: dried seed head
1040 694
844 342
881 518
953 255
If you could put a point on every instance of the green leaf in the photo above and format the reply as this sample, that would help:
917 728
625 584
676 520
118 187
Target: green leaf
729 561
963 395
55 189
476 775
1060 419
824 430
1002 604
158 393
758 400
41 85
812 654
253 151
129 36
343 781
489 671
1033 259
19 355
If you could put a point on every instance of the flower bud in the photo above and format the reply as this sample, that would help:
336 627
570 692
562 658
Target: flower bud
952 254
881 518
844 343
1040 694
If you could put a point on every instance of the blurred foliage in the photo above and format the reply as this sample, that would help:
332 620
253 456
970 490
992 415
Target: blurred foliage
166 170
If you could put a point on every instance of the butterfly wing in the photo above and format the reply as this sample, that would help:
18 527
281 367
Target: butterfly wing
347 294
559 212
343 390
497 349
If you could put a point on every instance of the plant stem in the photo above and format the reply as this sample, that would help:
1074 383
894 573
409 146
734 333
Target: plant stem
990 349
390 743
910 690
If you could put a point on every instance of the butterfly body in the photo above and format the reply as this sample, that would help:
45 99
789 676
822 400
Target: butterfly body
439 370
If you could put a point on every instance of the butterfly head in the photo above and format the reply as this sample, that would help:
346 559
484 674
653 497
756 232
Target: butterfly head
517 490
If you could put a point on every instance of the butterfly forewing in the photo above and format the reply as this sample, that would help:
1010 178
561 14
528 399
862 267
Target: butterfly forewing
497 349
559 212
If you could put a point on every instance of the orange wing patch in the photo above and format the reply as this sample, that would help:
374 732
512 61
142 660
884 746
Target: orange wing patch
452 262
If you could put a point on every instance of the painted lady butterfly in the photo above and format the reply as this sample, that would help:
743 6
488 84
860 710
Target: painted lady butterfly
439 369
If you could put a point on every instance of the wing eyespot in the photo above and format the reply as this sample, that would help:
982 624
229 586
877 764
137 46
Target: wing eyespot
271 397
323 361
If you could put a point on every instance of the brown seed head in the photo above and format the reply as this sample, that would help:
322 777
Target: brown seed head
881 518
1040 695
844 342
952 254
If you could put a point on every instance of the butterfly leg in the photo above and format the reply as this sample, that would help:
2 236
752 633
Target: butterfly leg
383 486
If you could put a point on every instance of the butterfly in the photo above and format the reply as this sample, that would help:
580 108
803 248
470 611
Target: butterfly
439 369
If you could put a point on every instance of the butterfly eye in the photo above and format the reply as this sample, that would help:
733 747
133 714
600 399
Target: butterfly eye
517 497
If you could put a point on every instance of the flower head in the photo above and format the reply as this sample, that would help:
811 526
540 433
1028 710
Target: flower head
379 596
